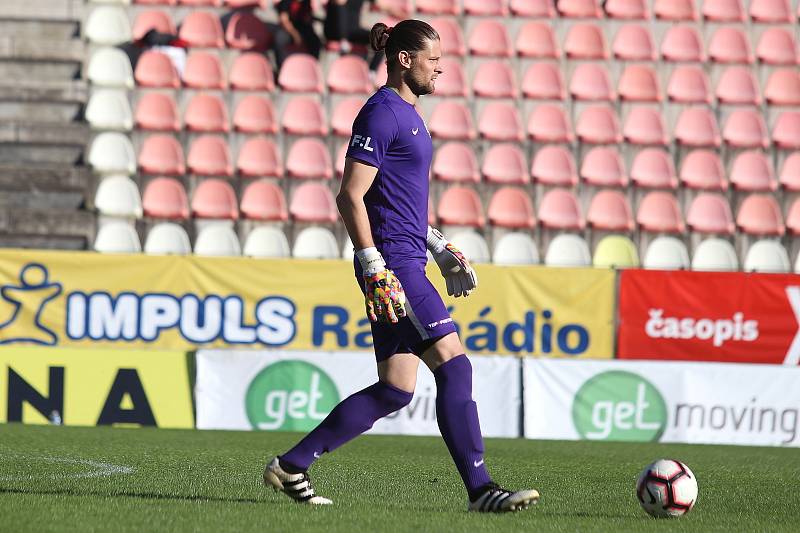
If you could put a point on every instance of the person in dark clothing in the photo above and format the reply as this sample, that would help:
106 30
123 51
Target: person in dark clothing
295 27
343 23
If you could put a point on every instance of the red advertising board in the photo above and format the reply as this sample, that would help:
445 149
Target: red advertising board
734 317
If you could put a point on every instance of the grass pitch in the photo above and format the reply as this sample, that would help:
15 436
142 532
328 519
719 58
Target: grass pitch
103 479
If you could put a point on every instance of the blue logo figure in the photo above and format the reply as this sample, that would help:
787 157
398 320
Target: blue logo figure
29 299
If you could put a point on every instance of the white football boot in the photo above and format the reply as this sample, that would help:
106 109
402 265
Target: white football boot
500 500
296 486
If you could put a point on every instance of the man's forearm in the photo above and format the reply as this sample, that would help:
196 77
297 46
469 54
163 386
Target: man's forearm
354 215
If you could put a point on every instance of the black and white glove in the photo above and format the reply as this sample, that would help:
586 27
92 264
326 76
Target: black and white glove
458 274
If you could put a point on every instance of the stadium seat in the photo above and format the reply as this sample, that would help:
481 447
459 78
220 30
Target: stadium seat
500 121
786 130
579 8
251 72
108 109
771 11
549 124
438 7
682 44
567 250
112 153
167 238
675 10
554 165
511 207
460 206
315 243
659 213
157 2
638 83
760 214
793 220
752 172
737 85
157 112
543 81
247 32
346 74
609 211
259 156
537 40
532 8
451 121
118 196
209 156
110 67
505 163
452 39
627 9
255 114
645 126
203 71
485 8
472 245
591 81
313 202
155 69
585 41
790 173
202 29
730 45
702 169
515 249
598 125
724 11
745 128
217 240
452 81
158 20
490 38
783 88
117 237
697 126
767 256
165 198
266 242
108 26
344 114
309 158
689 84
777 46
304 116
200 3
264 200
206 113
603 167
715 254
494 79
161 154
455 162
666 253
559 209
615 251
634 42
215 199
652 168
710 213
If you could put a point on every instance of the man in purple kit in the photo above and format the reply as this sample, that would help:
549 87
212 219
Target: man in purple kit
384 204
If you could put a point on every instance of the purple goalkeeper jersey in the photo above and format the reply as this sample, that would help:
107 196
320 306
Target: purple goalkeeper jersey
391 136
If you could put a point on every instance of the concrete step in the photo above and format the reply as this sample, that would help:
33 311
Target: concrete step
42 29
43 242
41 9
48 222
34 154
47 133
45 178
53 101
26 71
65 50
42 199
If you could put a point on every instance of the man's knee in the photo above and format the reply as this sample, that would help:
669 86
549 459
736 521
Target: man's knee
393 398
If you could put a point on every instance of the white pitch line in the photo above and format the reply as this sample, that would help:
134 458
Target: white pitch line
98 469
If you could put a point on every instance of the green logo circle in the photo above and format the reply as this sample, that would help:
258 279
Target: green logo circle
619 405
290 396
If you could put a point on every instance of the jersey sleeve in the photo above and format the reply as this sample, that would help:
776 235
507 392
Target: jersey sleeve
374 130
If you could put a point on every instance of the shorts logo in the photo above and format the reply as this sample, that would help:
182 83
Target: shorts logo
414 131
363 142
440 322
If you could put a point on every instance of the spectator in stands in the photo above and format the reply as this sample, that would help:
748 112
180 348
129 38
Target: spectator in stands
294 29
171 45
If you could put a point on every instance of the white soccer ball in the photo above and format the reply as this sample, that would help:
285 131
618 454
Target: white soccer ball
667 488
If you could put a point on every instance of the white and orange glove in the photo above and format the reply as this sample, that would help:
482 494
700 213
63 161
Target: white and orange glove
385 299
458 274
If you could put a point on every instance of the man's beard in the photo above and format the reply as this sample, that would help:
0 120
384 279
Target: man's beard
417 87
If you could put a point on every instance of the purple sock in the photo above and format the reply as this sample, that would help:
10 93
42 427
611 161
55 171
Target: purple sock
457 416
352 417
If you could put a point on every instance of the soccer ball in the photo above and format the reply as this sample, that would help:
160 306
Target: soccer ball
667 488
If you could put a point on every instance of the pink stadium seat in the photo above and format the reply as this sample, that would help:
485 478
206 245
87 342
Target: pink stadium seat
155 69
451 120
456 162
675 10
438 7
730 45
264 200
532 8
645 125
349 74
549 124
697 126
771 11
341 152
579 8
683 43
258 157
313 202
505 163
745 128
603 167
158 112
559 209
689 85
156 2
490 38
212 3
165 198
724 11
793 218
585 41
255 114
783 88
203 71
786 130
554 165
760 214
500 121
161 154
304 116
790 173
752 172
460 206
485 8
710 213
202 29
153 20
598 125
344 114
659 213
206 113
511 208
777 46
543 81
737 85
452 81
652 168
309 158
209 156
251 72
638 83
627 9
591 81
215 198
246 31
537 40
494 79
301 73
610 211
702 169
452 39
634 42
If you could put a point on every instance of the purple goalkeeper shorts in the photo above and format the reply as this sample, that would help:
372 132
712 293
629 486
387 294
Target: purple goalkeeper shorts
426 318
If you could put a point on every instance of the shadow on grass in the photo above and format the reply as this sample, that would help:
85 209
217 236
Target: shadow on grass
137 495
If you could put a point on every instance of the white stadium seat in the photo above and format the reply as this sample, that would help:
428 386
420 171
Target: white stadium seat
110 67
766 256
112 153
167 238
266 241
666 253
218 240
347 250
715 254
472 245
117 237
515 249
568 250
108 25
118 196
108 109
315 243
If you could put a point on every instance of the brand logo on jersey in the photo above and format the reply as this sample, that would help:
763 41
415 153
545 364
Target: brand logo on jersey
363 142
414 131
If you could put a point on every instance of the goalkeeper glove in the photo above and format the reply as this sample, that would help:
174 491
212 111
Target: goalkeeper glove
384 298
458 274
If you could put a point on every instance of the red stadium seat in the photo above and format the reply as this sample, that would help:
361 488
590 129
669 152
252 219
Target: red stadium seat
500 121
745 128
246 31
786 130
752 172
255 114
675 10
634 42
652 168
645 125
777 46
206 113
209 156
344 114
308 158
349 74
710 213
161 154
771 11
543 81
451 121
737 85
452 81
456 162
203 71
682 43
559 209
155 69
263 200
730 45
505 163
697 126
549 124
585 41
702 169
793 218
490 38
157 112
258 157
689 85
313 202
153 20
438 7
212 3
460 206
494 79
215 199
610 211
532 8
639 83
251 72
579 8
304 116
485 8
165 198
591 82
537 40
598 125
724 11
156 2
301 73
452 38
783 88
202 29
760 214
627 9
659 213
511 208
790 173
554 165
603 167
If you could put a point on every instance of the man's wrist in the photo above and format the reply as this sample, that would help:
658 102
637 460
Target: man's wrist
371 260
435 241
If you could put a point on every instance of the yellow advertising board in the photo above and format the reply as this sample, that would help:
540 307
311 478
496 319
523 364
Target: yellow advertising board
79 387
82 299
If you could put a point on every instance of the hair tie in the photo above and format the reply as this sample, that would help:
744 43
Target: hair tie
385 37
